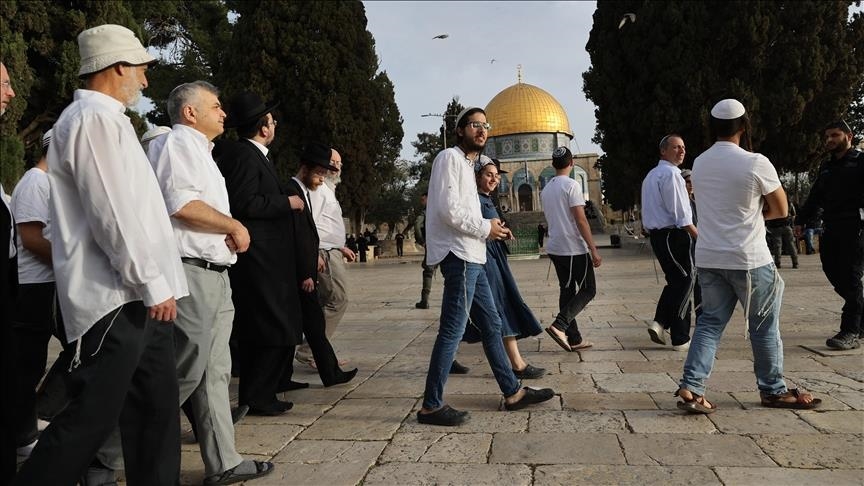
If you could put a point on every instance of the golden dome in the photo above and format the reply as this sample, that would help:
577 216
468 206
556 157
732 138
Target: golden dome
524 108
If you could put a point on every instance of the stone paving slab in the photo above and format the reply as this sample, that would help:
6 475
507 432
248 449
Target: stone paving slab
266 441
459 448
835 422
692 450
750 401
361 419
851 399
478 422
624 475
834 451
330 474
634 382
329 451
411 474
748 476
573 421
555 448
668 422
607 401
761 422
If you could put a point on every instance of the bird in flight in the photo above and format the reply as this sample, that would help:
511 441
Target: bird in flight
492 61
628 16
441 36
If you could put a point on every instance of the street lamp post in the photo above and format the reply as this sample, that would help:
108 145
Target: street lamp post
443 126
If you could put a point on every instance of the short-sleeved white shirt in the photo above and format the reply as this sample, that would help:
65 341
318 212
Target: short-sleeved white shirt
560 194
30 204
729 183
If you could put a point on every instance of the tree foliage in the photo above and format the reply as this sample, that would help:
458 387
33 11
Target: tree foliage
794 65
318 61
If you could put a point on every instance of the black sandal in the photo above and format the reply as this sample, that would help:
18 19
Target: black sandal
230 476
776 401
696 404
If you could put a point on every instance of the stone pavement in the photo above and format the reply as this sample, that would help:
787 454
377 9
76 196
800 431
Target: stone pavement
613 420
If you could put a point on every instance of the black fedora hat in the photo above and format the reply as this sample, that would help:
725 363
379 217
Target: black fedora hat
317 154
246 108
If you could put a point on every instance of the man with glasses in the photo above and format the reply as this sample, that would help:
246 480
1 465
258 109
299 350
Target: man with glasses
838 195
456 235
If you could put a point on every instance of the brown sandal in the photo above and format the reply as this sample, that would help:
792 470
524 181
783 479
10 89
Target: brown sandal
695 404
800 403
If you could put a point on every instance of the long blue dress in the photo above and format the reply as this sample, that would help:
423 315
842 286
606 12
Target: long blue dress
517 320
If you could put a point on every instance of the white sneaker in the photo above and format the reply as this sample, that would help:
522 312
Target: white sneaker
682 347
655 331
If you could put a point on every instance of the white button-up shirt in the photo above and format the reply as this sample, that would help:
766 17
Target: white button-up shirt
30 204
327 214
664 198
111 239
454 222
186 172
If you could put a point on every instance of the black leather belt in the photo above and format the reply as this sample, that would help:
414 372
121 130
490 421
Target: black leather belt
197 262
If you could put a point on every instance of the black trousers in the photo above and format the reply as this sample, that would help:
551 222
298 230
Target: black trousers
577 287
260 371
674 251
842 255
37 318
314 326
780 239
127 375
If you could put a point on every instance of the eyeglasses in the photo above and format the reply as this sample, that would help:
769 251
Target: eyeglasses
6 84
273 123
478 125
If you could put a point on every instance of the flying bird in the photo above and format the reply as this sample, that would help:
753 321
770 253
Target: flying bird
492 61
627 16
441 36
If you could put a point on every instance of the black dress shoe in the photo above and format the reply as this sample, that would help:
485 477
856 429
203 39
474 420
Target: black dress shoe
238 413
292 385
531 396
445 416
345 377
278 407
529 373
421 305
458 369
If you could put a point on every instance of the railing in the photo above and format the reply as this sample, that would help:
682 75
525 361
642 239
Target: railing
525 242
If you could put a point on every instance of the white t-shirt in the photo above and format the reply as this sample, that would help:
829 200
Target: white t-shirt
559 195
729 183
30 204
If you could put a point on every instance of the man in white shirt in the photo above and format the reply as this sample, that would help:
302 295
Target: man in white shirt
571 249
332 277
456 236
667 217
118 274
208 239
738 190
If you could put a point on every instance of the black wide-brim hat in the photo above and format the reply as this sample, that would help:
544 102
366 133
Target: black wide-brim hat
317 154
247 108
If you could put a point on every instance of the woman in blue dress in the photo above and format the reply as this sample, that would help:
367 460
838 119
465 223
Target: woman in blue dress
517 320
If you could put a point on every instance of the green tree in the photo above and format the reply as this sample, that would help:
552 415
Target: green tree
793 65
318 60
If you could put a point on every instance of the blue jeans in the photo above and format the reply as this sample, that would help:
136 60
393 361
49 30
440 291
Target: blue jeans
463 283
721 291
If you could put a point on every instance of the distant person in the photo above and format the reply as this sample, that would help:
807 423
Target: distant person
838 194
428 270
541 233
456 234
737 190
667 218
571 249
362 247
400 242
780 237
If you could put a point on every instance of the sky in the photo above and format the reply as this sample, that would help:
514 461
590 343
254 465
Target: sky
547 38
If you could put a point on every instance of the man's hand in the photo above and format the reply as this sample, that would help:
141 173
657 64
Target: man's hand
595 257
308 285
348 254
229 242
321 264
165 312
798 230
241 238
498 231
297 203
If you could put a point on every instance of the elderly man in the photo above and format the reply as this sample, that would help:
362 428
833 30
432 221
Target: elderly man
208 239
332 279
738 190
667 217
118 274
456 239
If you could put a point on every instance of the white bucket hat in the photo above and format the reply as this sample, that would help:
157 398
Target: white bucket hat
107 45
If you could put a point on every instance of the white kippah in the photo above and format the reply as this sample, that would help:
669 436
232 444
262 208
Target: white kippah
728 109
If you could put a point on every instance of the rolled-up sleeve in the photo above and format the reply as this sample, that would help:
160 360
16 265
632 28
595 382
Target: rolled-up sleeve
674 194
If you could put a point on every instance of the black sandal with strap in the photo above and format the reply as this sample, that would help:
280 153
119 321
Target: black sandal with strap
696 404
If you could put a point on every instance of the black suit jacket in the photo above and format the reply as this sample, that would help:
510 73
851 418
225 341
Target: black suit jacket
306 236
264 279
